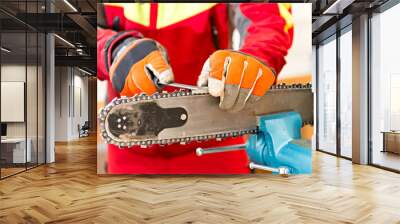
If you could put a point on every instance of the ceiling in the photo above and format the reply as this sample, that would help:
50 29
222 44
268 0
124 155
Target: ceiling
74 22
331 15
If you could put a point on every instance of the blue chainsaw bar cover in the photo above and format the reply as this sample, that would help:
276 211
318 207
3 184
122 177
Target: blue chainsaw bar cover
277 143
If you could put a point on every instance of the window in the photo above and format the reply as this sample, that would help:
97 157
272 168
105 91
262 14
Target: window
22 60
385 89
346 93
327 96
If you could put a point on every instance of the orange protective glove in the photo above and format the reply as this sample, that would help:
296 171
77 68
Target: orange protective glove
138 66
236 78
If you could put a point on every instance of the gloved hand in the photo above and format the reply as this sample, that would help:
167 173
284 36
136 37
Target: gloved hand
139 65
236 78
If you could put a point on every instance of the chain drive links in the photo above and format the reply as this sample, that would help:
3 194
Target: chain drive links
104 112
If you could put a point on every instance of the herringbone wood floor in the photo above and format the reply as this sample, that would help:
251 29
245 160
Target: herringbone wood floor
69 191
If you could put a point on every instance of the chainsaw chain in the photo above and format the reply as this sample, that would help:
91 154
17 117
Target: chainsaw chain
179 93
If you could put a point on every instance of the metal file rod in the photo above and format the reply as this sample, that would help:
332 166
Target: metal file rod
280 170
183 86
201 151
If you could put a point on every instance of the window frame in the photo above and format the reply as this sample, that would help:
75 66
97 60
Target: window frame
334 37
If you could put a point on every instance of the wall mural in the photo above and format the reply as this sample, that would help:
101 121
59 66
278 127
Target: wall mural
204 88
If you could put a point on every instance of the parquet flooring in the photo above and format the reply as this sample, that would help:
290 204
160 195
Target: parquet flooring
70 191
10 171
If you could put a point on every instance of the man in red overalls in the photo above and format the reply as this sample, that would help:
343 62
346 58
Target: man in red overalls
180 43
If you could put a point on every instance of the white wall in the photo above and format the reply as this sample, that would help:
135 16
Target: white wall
298 60
70 83
80 85
62 83
33 127
12 73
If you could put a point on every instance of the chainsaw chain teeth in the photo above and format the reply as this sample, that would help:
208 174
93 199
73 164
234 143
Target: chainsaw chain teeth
180 93
292 86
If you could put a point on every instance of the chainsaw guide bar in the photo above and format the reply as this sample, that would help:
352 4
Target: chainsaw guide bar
184 116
